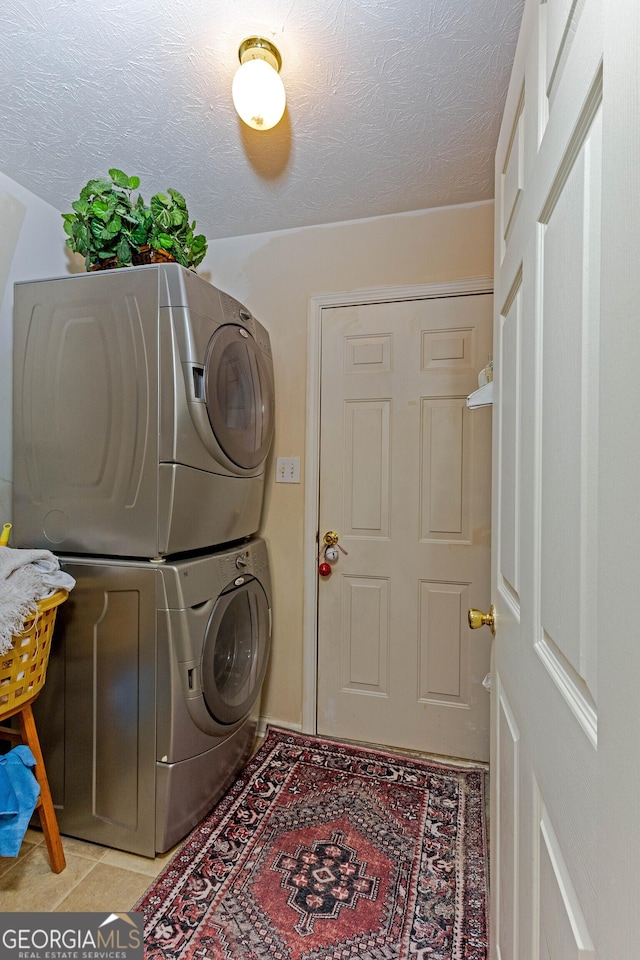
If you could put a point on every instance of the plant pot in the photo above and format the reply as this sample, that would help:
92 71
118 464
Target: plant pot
146 254
105 264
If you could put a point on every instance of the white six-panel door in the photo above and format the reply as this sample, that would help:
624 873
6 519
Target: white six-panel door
546 448
405 482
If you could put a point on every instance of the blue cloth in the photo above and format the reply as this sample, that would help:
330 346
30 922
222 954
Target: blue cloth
19 792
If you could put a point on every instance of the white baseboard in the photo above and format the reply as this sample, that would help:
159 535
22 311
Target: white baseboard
264 722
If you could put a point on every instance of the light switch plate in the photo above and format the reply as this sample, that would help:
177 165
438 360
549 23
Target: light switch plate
288 470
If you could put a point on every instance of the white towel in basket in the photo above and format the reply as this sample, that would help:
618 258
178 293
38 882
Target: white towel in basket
26 576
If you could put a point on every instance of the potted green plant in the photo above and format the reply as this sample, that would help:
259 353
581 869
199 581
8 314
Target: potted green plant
111 229
107 225
171 230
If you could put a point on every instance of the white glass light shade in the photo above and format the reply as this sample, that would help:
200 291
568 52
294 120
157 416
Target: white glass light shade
258 94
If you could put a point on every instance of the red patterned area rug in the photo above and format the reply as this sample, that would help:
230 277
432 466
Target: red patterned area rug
328 851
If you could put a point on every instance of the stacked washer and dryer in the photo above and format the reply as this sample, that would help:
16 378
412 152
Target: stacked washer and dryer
143 416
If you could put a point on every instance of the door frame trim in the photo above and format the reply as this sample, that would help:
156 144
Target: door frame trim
318 303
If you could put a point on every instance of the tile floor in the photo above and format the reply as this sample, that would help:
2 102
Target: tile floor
95 879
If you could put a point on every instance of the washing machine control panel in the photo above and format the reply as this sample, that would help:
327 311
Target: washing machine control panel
245 561
238 562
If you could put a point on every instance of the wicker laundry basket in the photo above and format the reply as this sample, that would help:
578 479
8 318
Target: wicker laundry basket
23 668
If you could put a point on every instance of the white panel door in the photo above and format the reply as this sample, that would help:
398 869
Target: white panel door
405 482
545 696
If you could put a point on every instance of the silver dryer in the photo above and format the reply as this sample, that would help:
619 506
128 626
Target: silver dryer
143 414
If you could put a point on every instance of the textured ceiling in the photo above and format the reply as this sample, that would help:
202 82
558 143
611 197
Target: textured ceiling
392 105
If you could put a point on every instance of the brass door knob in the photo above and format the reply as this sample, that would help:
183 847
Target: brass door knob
479 619
330 538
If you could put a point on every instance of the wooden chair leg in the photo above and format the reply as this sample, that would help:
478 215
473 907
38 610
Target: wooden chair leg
45 807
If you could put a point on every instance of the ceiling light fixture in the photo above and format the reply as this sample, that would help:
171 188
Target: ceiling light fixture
257 91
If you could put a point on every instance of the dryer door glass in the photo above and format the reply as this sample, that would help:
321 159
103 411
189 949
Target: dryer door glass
235 653
239 395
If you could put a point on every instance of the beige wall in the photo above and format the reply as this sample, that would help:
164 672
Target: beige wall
275 275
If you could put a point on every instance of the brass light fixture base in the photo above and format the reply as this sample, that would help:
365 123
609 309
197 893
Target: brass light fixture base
259 48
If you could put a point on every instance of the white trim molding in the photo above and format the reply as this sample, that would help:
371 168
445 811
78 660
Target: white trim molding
318 303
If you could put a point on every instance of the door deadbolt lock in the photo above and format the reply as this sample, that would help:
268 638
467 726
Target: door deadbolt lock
479 619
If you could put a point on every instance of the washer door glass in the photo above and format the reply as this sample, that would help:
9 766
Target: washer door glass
239 395
235 652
